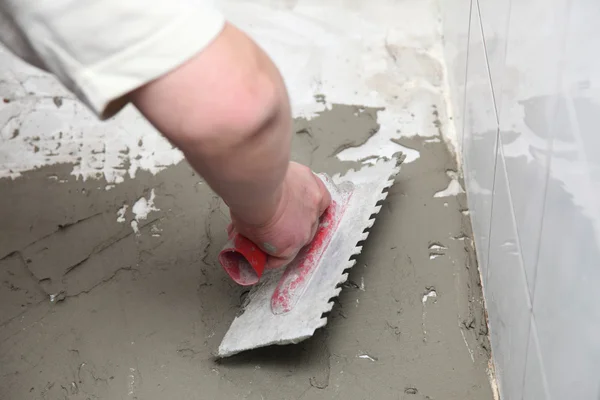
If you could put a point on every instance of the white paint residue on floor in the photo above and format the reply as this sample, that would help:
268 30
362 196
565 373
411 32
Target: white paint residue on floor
437 247
454 187
144 206
367 357
35 132
131 382
436 250
140 210
121 214
431 294
378 145
134 226
387 59
379 54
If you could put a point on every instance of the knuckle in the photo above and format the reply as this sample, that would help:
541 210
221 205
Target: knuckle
305 168
315 193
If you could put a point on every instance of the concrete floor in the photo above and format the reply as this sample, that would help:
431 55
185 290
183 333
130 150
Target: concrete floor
110 288
138 315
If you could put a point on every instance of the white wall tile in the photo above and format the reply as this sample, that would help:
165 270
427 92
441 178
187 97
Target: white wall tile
582 66
533 113
544 246
506 292
566 299
581 80
527 155
479 141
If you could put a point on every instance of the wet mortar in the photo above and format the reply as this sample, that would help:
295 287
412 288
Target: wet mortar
139 316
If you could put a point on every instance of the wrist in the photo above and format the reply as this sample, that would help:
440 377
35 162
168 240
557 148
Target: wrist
264 215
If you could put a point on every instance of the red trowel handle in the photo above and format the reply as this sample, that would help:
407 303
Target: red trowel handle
243 261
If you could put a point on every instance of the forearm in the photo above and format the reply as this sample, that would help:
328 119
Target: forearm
228 111
248 171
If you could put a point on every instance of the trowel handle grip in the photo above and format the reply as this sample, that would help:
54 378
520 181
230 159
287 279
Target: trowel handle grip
243 261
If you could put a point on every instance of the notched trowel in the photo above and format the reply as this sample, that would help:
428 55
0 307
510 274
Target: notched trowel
287 306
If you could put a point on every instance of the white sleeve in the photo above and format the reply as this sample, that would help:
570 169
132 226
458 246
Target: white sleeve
104 49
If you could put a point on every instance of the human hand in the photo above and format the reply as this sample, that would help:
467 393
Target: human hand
295 221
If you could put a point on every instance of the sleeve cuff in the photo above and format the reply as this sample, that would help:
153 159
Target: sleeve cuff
104 84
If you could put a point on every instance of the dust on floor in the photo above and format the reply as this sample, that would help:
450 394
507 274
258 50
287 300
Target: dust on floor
117 294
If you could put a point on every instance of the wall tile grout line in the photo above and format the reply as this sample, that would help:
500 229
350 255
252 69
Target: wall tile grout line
462 144
487 64
494 173
507 30
536 342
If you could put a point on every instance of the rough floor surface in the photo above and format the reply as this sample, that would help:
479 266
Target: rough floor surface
92 309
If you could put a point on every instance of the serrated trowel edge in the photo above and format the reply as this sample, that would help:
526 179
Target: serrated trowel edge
257 326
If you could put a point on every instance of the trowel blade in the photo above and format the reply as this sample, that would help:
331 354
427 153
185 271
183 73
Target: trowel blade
258 326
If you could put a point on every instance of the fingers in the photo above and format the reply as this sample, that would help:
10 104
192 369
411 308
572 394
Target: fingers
275 262
326 198
278 262
308 201
313 230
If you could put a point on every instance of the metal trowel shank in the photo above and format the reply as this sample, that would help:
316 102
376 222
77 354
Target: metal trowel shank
288 306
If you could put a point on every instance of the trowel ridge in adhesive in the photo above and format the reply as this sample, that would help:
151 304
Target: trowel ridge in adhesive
288 306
